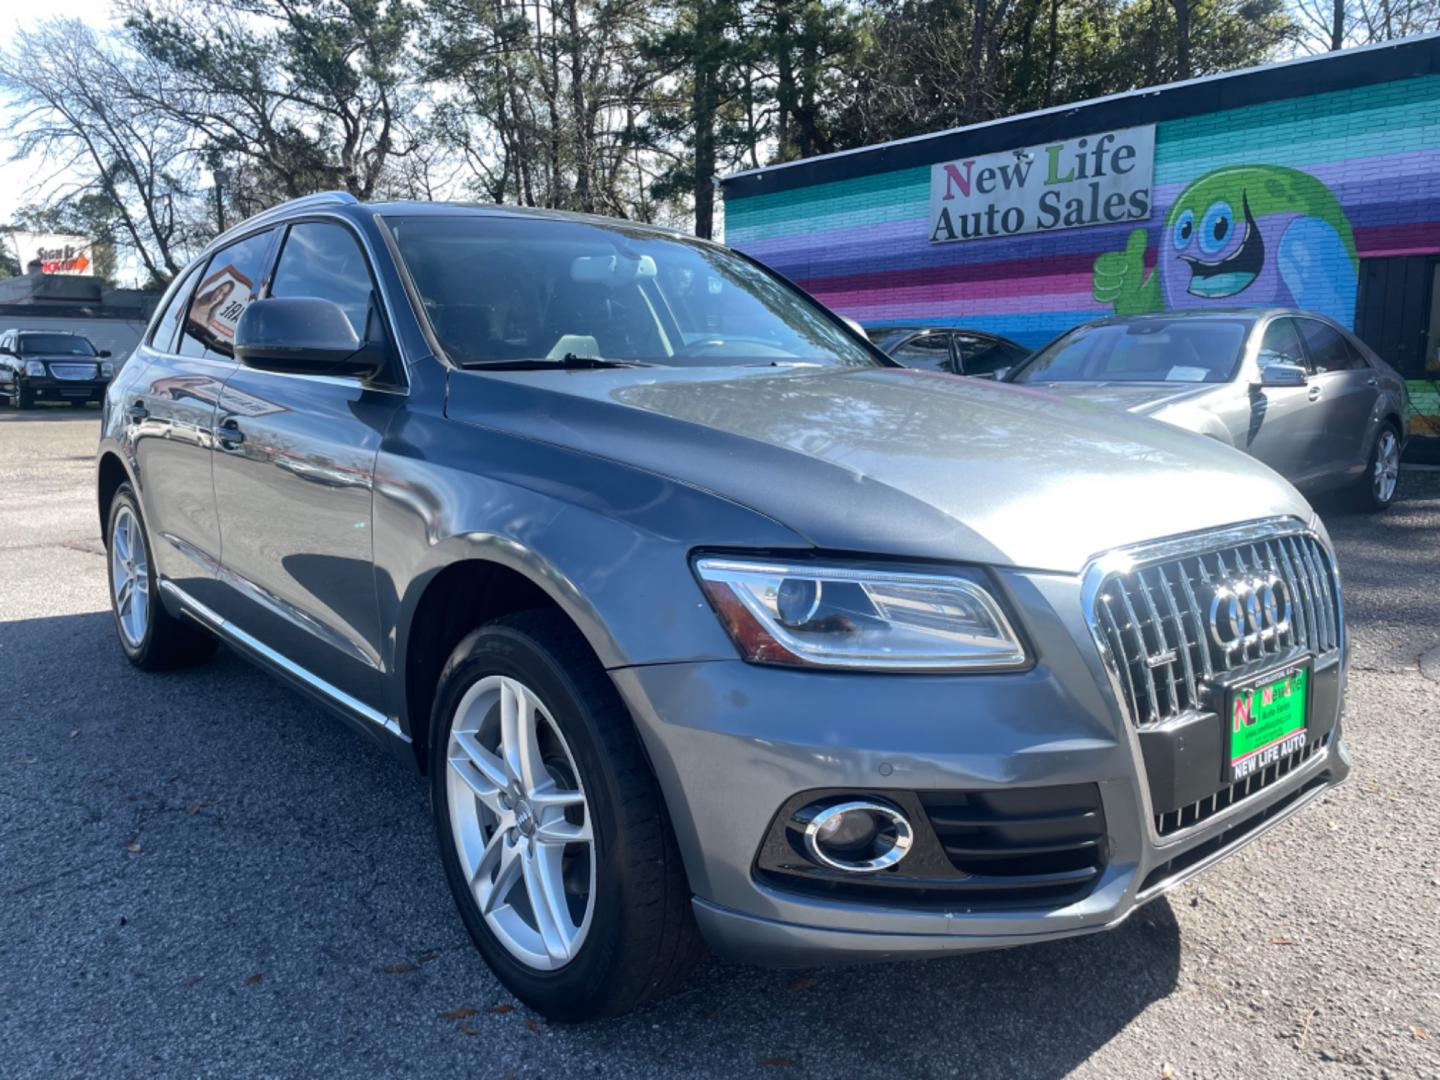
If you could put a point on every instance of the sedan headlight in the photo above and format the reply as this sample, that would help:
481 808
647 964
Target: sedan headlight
840 617
35 368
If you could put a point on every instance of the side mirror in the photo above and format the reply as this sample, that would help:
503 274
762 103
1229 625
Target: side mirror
5 350
104 354
1277 375
304 335
854 324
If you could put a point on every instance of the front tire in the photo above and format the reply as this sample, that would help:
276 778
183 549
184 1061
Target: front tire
1375 489
152 638
23 398
551 826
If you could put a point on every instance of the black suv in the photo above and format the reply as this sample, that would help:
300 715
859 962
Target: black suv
47 365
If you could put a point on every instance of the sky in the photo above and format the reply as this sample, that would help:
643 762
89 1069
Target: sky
17 178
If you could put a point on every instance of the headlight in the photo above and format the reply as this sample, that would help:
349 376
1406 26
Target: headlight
107 369
35 368
833 616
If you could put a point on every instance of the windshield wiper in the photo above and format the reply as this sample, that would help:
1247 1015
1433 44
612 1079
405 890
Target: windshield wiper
568 362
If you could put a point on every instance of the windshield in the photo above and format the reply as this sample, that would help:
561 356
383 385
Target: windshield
504 289
54 345
1148 350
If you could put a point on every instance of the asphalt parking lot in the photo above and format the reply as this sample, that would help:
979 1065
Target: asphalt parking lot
204 874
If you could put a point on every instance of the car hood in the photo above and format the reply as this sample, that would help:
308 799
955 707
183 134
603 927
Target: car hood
894 462
1145 399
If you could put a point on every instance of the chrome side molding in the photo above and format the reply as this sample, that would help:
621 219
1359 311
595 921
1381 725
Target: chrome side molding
232 633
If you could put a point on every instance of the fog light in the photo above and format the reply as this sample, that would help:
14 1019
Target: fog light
857 837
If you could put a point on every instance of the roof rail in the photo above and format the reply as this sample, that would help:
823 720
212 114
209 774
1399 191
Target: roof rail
319 198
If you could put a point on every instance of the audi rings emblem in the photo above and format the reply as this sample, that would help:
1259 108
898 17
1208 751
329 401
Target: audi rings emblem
1249 611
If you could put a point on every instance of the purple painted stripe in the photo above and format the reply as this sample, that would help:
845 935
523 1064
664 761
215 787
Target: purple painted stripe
1411 239
1000 288
1039 303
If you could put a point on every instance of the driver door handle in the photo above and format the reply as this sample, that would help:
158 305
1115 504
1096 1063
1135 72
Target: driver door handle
1314 393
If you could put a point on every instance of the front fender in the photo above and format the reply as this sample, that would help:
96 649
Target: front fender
608 543
1199 420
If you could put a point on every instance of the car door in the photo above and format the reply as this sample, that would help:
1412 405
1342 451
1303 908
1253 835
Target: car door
1344 390
294 468
169 412
1279 427
929 351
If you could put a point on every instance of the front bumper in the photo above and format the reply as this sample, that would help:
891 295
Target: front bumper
52 389
731 742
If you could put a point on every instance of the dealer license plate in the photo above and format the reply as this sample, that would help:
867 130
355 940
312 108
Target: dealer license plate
1266 720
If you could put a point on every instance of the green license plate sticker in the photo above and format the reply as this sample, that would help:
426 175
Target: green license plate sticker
1267 722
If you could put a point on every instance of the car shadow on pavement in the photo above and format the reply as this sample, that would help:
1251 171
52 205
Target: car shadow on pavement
1036 1011
233 827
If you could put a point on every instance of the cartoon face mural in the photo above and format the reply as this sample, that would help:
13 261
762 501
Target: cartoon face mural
1253 235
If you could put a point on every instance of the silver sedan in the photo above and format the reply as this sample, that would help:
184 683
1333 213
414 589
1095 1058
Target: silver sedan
1294 389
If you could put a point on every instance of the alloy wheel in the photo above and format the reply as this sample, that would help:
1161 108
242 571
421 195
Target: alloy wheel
521 823
130 577
1387 466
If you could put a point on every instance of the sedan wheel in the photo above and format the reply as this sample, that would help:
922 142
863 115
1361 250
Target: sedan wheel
520 823
1386 470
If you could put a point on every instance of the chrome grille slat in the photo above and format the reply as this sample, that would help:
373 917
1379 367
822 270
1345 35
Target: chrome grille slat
1162 640
1302 578
1116 649
1190 686
1153 706
1194 607
1300 608
1313 556
1144 614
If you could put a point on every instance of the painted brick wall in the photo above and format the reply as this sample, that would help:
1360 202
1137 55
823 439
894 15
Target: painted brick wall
861 245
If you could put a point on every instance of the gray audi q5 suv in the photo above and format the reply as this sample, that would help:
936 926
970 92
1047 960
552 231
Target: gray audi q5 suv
700 615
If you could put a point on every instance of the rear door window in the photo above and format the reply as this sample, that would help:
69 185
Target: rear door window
162 338
928 352
231 280
980 355
1329 351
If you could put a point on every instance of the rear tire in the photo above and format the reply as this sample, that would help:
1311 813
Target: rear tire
1375 489
623 932
152 638
23 398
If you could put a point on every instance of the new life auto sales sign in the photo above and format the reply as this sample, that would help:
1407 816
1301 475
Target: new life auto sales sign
1102 179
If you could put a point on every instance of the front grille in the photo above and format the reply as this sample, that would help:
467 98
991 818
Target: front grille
1153 621
1226 797
1034 842
72 372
